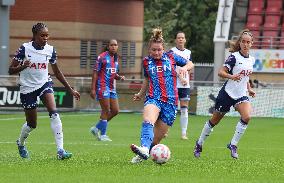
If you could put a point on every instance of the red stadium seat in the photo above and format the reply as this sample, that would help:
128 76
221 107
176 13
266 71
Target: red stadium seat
256 7
254 22
271 22
274 7
269 39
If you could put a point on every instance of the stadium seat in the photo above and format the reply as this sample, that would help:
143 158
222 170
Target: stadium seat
256 7
274 7
270 39
256 39
254 22
272 22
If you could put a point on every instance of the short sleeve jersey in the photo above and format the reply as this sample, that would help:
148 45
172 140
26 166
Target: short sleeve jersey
187 55
162 76
36 75
238 64
107 68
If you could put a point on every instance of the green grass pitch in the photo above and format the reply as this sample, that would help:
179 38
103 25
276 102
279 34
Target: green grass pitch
261 157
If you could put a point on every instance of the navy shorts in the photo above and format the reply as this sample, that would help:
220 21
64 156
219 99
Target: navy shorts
224 101
167 111
184 94
29 100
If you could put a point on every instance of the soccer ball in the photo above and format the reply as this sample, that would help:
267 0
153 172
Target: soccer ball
160 153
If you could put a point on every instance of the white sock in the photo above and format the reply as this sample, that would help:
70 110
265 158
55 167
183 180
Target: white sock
240 130
207 129
56 127
25 132
183 120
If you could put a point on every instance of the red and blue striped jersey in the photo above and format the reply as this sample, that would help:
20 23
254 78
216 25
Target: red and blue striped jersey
163 77
107 68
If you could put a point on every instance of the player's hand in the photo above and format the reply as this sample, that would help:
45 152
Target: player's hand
93 94
182 72
76 94
236 77
137 97
122 78
26 63
183 81
251 93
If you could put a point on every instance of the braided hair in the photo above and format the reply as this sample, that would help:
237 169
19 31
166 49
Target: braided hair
36 28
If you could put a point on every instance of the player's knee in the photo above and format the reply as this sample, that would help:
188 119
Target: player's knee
114 112
53 114
246 119
32 124
184 111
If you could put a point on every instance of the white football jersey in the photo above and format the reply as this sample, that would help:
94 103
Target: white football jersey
187 55
36 75
238 64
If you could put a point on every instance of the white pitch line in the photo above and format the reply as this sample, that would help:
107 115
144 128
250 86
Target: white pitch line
41 117
70 143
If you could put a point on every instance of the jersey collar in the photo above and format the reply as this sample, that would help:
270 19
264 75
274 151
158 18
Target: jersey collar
37 47
243 55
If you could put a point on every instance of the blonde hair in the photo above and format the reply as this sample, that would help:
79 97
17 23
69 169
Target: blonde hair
157 36
235 45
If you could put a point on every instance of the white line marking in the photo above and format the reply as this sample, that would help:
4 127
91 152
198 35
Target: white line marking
41 117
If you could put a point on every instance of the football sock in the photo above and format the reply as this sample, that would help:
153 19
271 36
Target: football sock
25 132
102 126
240 130
56 127
183 120
205 132
147 134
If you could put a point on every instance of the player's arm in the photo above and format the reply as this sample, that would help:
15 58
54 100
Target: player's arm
224 73
93 84
184 69
19 62
143 90
16 67
250 90
59 75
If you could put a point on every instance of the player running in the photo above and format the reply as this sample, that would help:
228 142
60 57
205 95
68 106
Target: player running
237 69
31 62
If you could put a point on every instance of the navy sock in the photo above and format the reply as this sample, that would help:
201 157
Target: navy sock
147 134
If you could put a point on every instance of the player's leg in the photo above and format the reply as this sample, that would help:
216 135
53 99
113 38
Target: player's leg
184 119
55 122
166 119
102 124
184 97
222 106
29 103
244 108
150 116
160 130
114 106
